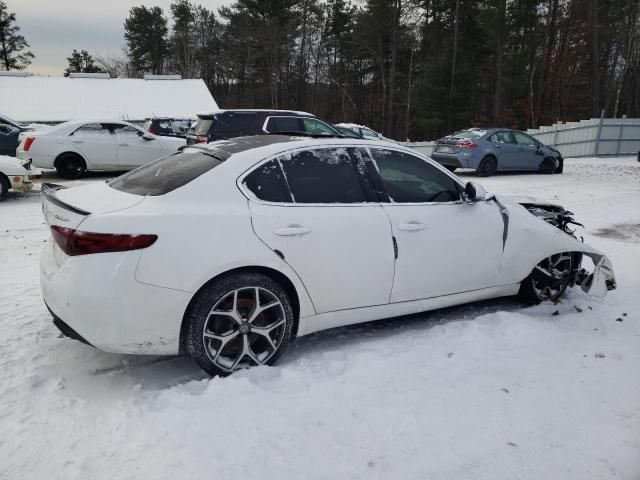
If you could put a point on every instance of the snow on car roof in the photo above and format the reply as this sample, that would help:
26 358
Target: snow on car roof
58 99
221 110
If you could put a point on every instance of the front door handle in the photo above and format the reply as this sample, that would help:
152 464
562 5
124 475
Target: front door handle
77 141
292 230
411 226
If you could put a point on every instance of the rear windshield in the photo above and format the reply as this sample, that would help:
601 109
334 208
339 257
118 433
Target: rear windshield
471 134
166 174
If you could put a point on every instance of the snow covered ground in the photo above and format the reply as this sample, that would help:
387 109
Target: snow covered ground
488 391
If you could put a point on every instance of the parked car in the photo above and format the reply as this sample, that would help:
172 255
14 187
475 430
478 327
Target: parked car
17 175
10 130
496 150
364 132
347 132
169 127
73 148
228 251
225 124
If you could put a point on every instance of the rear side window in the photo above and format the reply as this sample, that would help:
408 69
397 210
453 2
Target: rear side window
502 137
166 174
284 124
267 183
409 179
326 175
227 123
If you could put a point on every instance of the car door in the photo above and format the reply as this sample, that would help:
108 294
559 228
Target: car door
506 148
444 245
314 208
134 148
530 157
97 144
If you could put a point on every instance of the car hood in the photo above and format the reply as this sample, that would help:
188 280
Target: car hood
520 200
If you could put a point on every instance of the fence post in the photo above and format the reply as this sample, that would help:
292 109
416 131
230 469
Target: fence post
597 145
620 138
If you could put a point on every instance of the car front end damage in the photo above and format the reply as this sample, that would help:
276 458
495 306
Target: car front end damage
596 283
20 173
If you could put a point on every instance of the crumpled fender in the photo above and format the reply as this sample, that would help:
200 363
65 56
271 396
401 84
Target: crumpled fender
530 239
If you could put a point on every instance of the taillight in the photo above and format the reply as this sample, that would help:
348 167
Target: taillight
202 139
27 143
466 143
74 242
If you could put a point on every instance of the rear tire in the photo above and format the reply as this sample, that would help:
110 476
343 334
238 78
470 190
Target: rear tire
488 166
548 165
229 329
71 166
549 279
4 187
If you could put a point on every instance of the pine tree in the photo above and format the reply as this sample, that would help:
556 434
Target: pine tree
14 53
146 35
81 62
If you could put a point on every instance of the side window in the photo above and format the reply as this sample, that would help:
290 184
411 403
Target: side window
502 137
367 133
92 129
524 139
316 126
409 179
227 123
127 130
267 183
326 175
284 124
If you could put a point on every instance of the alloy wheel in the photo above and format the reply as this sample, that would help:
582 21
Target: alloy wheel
552 275
244 328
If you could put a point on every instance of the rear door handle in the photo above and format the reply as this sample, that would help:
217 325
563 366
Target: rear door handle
411 226
123 144
77 141
292 230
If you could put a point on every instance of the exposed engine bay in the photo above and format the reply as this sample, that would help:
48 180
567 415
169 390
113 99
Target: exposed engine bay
555 215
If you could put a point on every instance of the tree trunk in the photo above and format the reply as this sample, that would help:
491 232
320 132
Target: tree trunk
454 54
497 100
595 60
397 5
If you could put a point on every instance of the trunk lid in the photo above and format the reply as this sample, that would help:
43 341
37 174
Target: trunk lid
68 207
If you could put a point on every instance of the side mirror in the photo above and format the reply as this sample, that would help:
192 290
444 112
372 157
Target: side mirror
474 192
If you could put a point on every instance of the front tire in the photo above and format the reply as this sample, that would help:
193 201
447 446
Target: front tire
560 167
549 279
549 165
4 187
488 166
239 321
71 166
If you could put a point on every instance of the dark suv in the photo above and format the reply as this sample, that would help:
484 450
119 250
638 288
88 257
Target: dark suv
225 124
10 130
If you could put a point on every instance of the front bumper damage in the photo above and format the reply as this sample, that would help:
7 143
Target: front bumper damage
601 280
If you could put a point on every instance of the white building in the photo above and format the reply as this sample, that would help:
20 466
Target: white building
33 99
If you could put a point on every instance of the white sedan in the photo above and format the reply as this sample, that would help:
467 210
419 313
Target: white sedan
73 148
228 251
17 175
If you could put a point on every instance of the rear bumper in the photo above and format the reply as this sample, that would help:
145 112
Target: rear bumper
448 160
96 299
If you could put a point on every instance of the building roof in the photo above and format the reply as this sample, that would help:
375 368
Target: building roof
58 99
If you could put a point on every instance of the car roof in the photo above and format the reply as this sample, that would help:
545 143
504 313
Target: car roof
170 118
256 110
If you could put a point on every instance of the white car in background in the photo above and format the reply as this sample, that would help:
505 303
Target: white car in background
73 148
17 175
364 132
229 250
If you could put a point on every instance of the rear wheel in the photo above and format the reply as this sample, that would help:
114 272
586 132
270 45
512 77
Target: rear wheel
71 166
4 186
488 166
239 321
549 279
549 165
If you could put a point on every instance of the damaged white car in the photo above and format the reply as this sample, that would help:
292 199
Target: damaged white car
228 251
16 175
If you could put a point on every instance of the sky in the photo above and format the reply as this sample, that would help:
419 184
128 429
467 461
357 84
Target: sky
54 28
